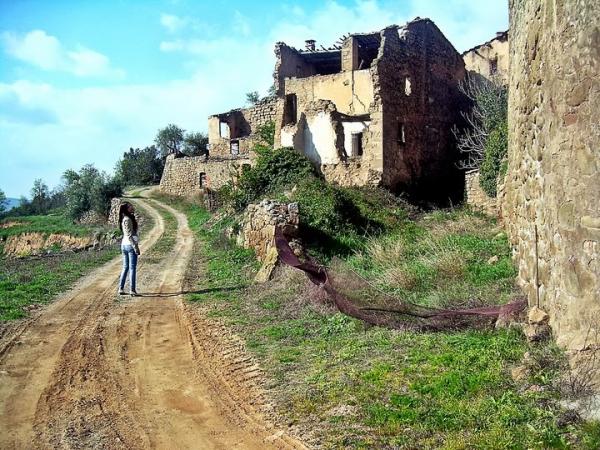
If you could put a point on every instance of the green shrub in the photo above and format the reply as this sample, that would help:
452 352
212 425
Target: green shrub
89 190
267 133
495 152
324 207
274 169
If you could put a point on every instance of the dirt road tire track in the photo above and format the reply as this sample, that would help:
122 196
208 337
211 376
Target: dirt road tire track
96 371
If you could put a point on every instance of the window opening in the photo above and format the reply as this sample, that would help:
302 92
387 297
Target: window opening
357 149
290 110
234 147
224 129
493 66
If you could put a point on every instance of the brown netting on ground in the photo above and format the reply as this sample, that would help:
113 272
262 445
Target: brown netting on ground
354 296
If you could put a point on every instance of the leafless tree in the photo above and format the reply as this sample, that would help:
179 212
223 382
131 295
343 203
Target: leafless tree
489 106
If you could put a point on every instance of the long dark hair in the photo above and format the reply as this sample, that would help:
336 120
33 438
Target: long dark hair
123 211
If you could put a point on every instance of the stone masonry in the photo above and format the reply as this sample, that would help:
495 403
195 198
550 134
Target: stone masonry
476 196
258 225
258 232
375 109
190 175
551 200
490 59
234 132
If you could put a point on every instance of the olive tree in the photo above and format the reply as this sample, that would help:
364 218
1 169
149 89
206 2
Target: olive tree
169 139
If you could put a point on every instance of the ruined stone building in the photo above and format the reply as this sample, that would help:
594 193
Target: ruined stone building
489 59
376 109
551 200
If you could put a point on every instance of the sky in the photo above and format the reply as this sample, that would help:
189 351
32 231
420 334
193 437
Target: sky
82 81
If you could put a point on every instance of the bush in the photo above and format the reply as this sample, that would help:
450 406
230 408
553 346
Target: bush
89 190
326 208
495 152
274 170
140 166
267 133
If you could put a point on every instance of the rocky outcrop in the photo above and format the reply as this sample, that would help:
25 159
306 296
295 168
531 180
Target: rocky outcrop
551 201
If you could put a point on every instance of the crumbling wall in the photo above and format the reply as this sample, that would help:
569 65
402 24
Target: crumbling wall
289 63
242 125
329 108
476 196
187 176
551 202
257 230
351 173
351 92
416 76
490 59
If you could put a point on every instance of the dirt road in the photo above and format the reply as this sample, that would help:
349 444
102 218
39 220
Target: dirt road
94 370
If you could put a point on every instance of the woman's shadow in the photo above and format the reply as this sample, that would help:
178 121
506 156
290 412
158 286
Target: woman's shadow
182 292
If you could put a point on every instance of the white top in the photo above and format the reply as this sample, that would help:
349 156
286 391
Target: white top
129 238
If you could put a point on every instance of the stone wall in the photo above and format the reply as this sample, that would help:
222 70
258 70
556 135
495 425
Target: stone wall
476 196
182 176
416 76
350 173
551 202
242 125
257 229
490 59
351 92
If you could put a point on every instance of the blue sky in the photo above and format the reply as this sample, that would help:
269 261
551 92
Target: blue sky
82 81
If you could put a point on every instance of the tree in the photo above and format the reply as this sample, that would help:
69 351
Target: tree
252 97
489 111
140 166
194 144
272 91
169 139
40 197
3 202
89 190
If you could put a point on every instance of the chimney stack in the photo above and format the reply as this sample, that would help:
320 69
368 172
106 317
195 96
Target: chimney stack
310 44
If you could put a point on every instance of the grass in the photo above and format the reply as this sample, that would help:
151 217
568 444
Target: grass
370 387
31 281
37 280
228 265
48 224
443 258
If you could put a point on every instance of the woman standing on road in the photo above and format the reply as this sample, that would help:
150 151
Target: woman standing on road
129 247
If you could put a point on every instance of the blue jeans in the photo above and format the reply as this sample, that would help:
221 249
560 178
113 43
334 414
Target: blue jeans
129 266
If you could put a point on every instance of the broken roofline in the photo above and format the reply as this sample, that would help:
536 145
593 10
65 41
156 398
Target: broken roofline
336 48
500 36
226 114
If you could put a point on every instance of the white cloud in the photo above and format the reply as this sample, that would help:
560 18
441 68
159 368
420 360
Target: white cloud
173 23
36 48
56 129
172 46
47 53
